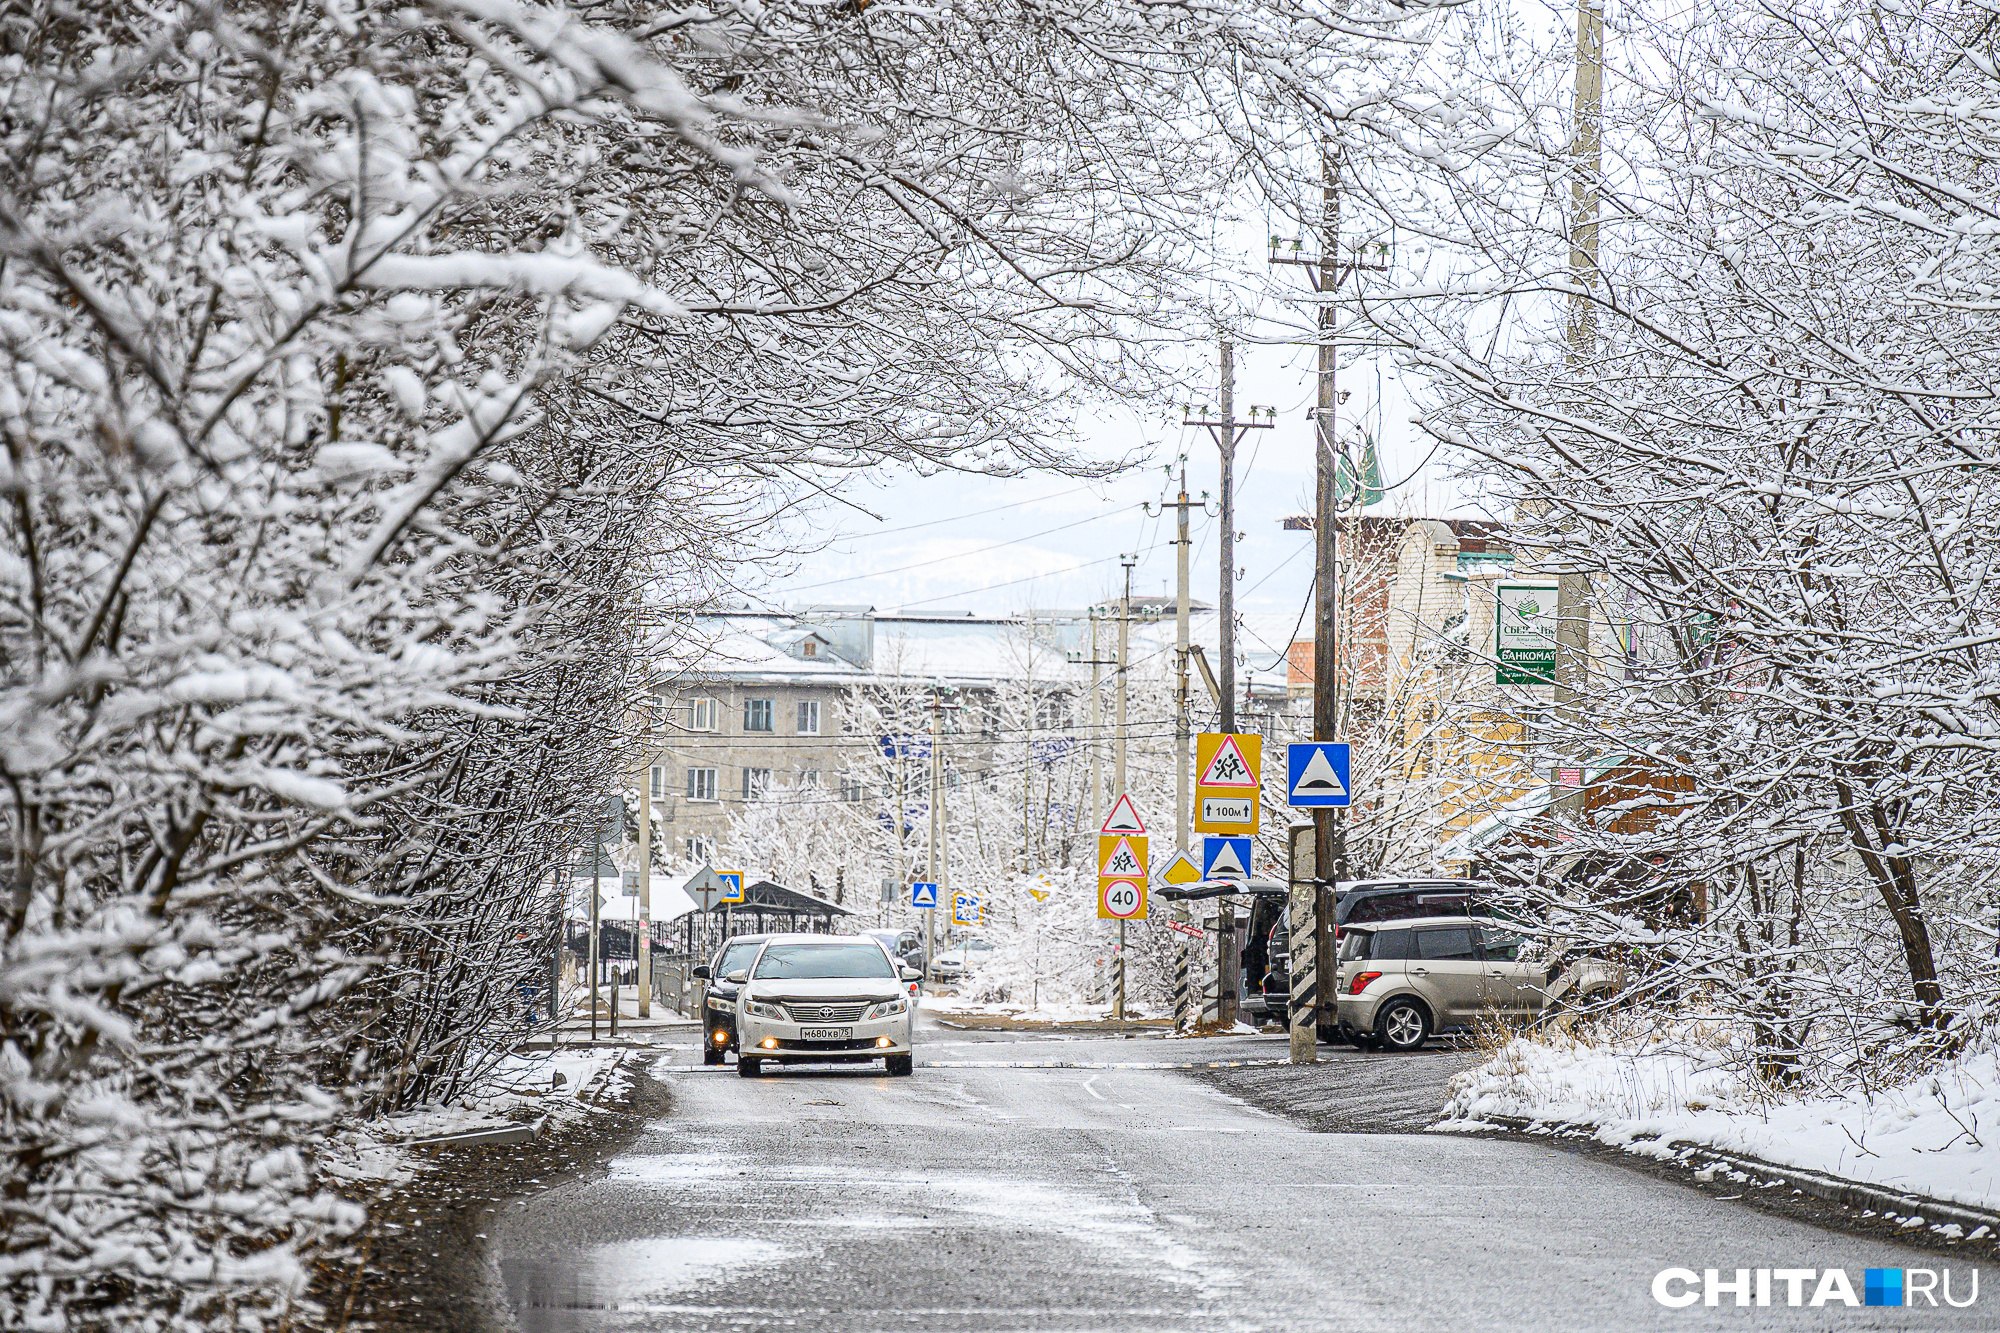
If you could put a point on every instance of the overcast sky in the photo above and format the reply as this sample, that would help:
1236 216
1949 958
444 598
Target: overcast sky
992 545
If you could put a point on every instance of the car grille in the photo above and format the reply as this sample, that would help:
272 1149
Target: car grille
826 1011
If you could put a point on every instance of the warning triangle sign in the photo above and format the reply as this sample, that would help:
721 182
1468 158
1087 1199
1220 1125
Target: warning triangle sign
1318 778
1124 817
1227 864
1123 861
1228 768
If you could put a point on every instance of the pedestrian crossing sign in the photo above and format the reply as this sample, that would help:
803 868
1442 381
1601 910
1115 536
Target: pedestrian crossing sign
965 909
732 885
1319 774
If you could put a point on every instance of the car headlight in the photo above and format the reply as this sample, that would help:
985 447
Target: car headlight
763 1010
724 1005
887 1008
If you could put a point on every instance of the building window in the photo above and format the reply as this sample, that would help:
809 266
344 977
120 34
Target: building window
701 714
758 714
656 785
701 784
852 789
809 649
1052 712
701 851
808 777
756 783
808 717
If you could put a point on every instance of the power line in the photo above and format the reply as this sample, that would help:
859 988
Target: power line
938 560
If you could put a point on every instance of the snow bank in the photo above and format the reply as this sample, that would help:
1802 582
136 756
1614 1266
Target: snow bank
1936 1136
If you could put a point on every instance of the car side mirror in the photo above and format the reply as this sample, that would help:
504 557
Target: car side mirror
738 977
701 972
911 974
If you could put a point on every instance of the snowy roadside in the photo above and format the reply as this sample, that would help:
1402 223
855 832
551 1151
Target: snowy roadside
1064 1014
1936 1137
551 1090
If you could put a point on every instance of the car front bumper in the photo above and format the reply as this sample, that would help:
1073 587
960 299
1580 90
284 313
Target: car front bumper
774 1039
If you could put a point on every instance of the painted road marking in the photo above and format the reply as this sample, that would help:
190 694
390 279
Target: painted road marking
1026 1064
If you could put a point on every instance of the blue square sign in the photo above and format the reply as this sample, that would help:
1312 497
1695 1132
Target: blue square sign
1318 774
1225 858
923 894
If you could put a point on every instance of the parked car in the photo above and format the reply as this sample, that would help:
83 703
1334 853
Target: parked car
906 946
952 964
1400 899
719 1008
823 998
1402 982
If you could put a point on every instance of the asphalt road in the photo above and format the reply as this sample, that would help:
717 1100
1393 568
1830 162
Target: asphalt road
1045 1183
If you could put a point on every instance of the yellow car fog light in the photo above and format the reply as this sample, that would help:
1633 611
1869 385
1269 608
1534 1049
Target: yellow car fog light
884 1041
769 1043
722 1036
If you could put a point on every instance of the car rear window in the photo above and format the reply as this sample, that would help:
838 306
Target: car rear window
1394 906
1454 942
1364 944
783 962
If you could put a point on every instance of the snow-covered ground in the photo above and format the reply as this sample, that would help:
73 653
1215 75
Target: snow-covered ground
1936 1136
522 1088
1052 1012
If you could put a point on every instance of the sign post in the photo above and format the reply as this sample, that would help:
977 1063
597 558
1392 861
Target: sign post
1121 881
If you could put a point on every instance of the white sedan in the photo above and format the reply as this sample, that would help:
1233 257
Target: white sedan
823 998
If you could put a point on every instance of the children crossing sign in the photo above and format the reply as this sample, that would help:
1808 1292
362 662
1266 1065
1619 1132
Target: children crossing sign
1318 774
1227 766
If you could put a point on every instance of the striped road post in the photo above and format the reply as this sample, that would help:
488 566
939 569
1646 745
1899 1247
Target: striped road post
1303 1009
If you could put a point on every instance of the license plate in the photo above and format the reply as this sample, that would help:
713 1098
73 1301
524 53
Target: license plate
826 1034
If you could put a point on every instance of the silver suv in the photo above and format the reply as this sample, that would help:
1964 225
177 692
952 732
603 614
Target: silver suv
1401 982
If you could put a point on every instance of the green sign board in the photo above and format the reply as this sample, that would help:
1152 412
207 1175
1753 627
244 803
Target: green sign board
1524 634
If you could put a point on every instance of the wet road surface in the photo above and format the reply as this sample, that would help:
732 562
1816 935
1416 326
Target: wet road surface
1045 1183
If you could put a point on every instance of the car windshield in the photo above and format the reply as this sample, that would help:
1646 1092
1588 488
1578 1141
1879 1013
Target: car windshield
736 956
788 961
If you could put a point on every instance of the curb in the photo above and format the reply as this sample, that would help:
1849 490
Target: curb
1743 1168
481 1138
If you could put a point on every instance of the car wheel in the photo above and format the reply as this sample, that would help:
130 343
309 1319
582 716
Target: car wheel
899 1065
749 1068
1402 1025
710 1056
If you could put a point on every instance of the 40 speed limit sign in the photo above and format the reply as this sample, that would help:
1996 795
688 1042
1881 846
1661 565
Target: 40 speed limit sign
1121 899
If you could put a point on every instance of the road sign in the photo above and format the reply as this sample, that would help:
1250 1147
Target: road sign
1227 765
1524 633
1121 856
1225 858
1124 817
1183 869
1121 899
1184 928
1039 895
923 894
732 885
965 909
1318 774
611 828
705 887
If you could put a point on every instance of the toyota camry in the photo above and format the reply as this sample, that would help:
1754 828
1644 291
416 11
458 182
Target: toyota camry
822 998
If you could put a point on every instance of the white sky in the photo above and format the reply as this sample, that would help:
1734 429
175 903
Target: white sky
994 545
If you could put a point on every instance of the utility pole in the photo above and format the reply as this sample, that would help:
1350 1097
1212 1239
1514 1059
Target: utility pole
1183 738
1124 657
1028 749
1311 905
937 772
1095 662
645 887
1227 432
1587 162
